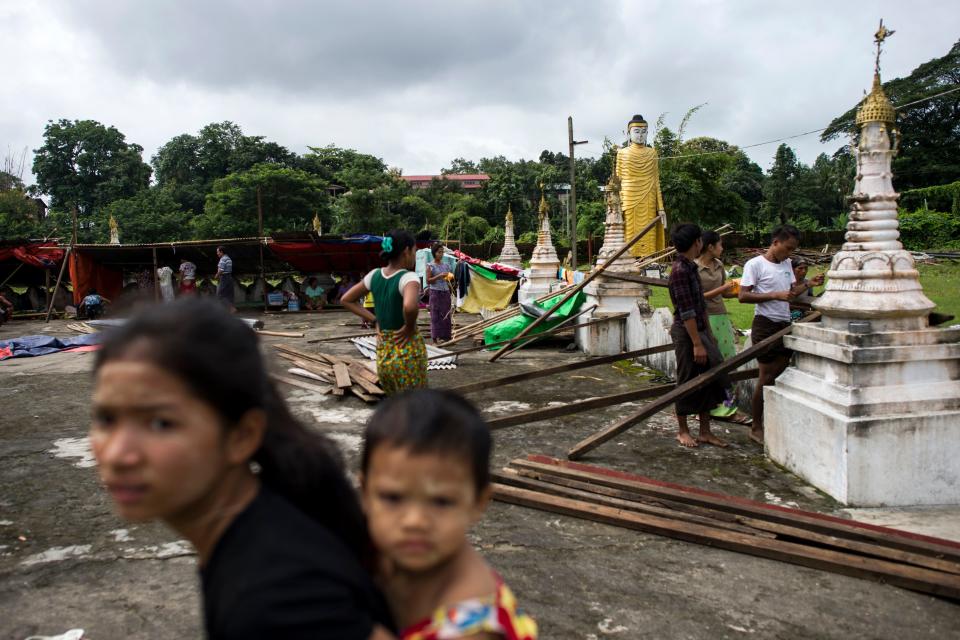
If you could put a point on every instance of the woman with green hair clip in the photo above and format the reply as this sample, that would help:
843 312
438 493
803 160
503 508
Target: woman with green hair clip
401 352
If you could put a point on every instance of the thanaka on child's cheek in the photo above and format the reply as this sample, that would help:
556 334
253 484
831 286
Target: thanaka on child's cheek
419 506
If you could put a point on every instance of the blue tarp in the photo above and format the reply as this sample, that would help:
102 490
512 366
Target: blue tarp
27 346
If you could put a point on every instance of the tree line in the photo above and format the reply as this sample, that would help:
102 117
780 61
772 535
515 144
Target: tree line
210 184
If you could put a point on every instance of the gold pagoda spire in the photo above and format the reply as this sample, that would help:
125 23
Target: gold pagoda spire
876 107
510 213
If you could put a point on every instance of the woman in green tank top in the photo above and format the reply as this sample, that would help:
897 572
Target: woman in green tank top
401 352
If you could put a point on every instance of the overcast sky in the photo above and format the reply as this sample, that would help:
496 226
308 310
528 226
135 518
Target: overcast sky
419 83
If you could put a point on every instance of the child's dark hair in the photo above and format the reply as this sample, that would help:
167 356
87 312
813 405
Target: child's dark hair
784 232
684 235
399 240
217 357
436 248
710 238
432 421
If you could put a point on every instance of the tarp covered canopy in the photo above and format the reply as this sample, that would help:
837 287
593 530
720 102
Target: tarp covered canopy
101 266
27 261
310 253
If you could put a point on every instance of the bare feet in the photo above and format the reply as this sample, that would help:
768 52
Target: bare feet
757 436
686 440
709 438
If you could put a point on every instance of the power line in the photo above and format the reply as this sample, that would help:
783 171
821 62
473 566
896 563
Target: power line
806 133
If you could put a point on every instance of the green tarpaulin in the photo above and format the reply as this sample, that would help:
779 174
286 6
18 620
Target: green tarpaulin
511 327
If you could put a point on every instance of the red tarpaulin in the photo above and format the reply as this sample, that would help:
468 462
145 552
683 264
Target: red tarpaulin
34 254
86 274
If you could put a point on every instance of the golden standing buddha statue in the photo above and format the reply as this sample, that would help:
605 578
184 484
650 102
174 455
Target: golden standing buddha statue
640 195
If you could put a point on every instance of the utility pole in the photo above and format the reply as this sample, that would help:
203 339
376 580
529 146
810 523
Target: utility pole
573 194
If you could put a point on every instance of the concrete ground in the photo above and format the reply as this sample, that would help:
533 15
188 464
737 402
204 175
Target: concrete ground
66 561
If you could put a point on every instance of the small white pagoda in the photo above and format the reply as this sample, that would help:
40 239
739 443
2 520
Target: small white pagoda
509 255
544 264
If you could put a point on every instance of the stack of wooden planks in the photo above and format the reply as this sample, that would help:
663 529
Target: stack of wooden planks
343 373
908 560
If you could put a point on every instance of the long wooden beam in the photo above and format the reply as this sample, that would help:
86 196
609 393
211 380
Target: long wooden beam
578 287
937 583
650 409
811 521
546 482
595 403
572 366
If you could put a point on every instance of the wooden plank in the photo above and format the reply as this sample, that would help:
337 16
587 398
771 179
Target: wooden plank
573 366
937 583
595 403
811 521
778 530
577 288
654 282
514 479
342 375
343 337
652 408
280 334
293 382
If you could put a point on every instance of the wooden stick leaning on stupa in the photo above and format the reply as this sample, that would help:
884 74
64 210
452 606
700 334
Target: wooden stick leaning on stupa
576 289
471 330
560 328
650 409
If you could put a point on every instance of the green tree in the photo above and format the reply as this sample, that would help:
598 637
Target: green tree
85 164
461 166
346 167
781 185
188 165
152 215
931 129
290 199
18 215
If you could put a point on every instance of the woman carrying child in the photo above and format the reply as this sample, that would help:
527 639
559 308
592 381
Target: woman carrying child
401 352
425 482
439 275
188 429
694 345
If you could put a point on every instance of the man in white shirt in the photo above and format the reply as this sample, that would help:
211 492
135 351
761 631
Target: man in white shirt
768 282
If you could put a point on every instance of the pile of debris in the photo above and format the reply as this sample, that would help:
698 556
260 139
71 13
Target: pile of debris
342 373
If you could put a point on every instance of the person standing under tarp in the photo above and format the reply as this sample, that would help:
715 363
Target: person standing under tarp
439 276
188 277
401 353
225 279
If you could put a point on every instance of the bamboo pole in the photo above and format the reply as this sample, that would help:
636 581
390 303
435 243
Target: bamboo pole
63 266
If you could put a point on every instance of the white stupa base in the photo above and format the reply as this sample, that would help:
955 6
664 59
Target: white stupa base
873 419
642 327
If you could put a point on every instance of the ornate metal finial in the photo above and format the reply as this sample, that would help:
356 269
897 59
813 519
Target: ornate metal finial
882 34
509 213
543 209
876 107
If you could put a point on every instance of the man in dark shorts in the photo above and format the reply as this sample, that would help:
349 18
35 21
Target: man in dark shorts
225 279
768 281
